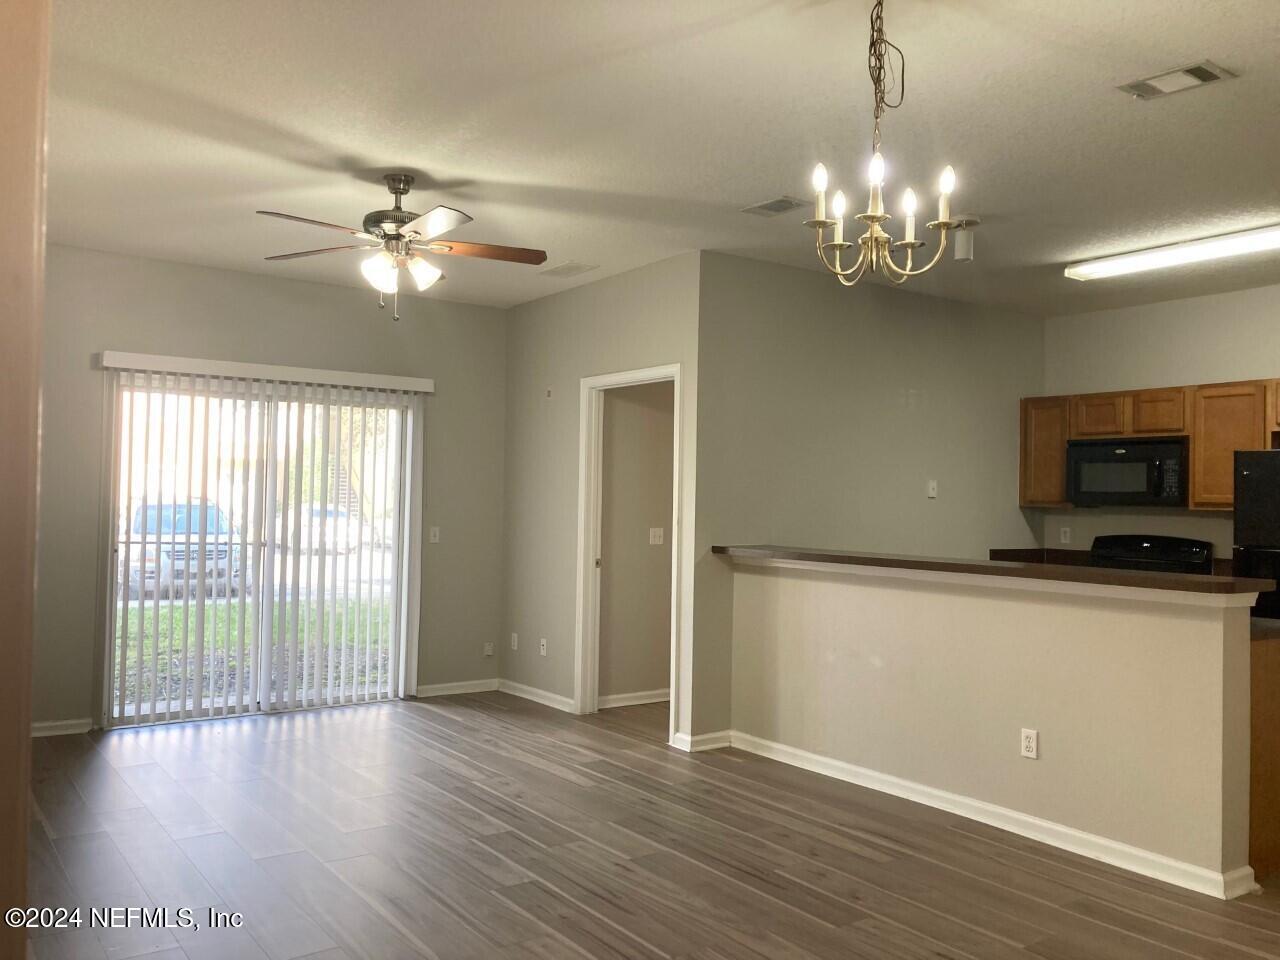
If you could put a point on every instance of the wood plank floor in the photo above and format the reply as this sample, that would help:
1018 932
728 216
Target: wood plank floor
485 826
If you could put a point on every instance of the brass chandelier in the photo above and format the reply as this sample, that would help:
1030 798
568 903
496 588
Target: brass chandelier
876 248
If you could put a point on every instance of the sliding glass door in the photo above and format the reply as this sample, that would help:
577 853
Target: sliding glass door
257 560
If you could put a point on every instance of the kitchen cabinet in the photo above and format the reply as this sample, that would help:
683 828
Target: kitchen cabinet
1160 411
1100 415
1273 405
1225 418
1046 427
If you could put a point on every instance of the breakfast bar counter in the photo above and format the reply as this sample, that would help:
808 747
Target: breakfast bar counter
1062 573
934 678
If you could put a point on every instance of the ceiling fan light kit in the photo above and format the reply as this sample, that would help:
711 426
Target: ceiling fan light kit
876 248
401 236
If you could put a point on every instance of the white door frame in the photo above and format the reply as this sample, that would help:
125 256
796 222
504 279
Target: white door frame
586 672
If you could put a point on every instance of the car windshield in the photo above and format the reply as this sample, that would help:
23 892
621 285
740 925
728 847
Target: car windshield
179 518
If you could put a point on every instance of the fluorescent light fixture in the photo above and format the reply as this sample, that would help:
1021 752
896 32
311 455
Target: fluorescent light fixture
1177 254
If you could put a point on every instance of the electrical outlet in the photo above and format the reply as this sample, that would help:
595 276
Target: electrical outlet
931 491
1031 744
656 535
488 649
1064 534
515 641
433 534
542 646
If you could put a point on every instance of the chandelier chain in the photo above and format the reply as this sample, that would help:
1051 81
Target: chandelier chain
878 64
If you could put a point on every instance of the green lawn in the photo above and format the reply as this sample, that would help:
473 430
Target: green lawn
349 621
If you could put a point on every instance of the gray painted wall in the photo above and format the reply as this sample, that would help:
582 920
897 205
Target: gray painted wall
1228 336
635 579
822 414
98 301
644 318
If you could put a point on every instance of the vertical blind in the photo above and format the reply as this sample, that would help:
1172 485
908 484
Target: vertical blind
258 556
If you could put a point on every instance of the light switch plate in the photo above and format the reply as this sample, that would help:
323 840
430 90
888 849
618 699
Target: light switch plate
515 641
488 649
656 535
542 646
1064 534
931 491
433 534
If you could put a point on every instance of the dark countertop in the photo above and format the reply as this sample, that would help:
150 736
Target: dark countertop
1184 582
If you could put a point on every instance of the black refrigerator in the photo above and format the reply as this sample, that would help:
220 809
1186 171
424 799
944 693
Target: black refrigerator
1257 523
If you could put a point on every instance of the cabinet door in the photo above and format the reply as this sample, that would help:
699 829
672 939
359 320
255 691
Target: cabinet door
1160 411
1100 415
1046 427
1226 418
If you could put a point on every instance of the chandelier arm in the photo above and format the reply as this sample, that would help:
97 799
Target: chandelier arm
908 272
862 268
836 269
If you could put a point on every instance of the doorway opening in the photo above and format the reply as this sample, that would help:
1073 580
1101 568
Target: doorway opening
629 535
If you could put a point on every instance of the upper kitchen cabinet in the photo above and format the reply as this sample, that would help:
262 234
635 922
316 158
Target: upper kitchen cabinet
1046 427
1160 411
1100 415
1225 418
1141 413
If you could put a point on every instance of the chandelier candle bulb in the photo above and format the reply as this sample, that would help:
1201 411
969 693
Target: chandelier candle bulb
946 184
909 210
837 211
820 189
875 176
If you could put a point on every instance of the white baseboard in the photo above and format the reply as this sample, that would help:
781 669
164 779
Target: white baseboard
544 697
462 686
632 699
59 728
1224 886
703 741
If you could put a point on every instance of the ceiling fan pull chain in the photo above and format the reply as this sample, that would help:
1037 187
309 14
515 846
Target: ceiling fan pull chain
395 309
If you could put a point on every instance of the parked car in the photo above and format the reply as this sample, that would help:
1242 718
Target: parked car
342 531
164 551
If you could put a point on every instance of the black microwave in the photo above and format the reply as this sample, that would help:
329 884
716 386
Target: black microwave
1124 472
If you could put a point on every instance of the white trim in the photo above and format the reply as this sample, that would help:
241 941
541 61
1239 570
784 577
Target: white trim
632 699
586 670
118 360
544 697
59 728
702 741
461 686
1224 886
1102 590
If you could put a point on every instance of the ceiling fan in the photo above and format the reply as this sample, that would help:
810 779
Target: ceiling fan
401 237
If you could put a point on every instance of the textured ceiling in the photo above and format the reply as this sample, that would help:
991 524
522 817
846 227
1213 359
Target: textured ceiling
618 133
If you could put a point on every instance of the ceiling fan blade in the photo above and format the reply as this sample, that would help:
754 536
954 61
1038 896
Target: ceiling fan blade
489 251
312 253
434 222
319 223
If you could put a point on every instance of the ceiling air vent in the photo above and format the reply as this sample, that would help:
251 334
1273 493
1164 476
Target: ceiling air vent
1175 81
771 208
570 268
